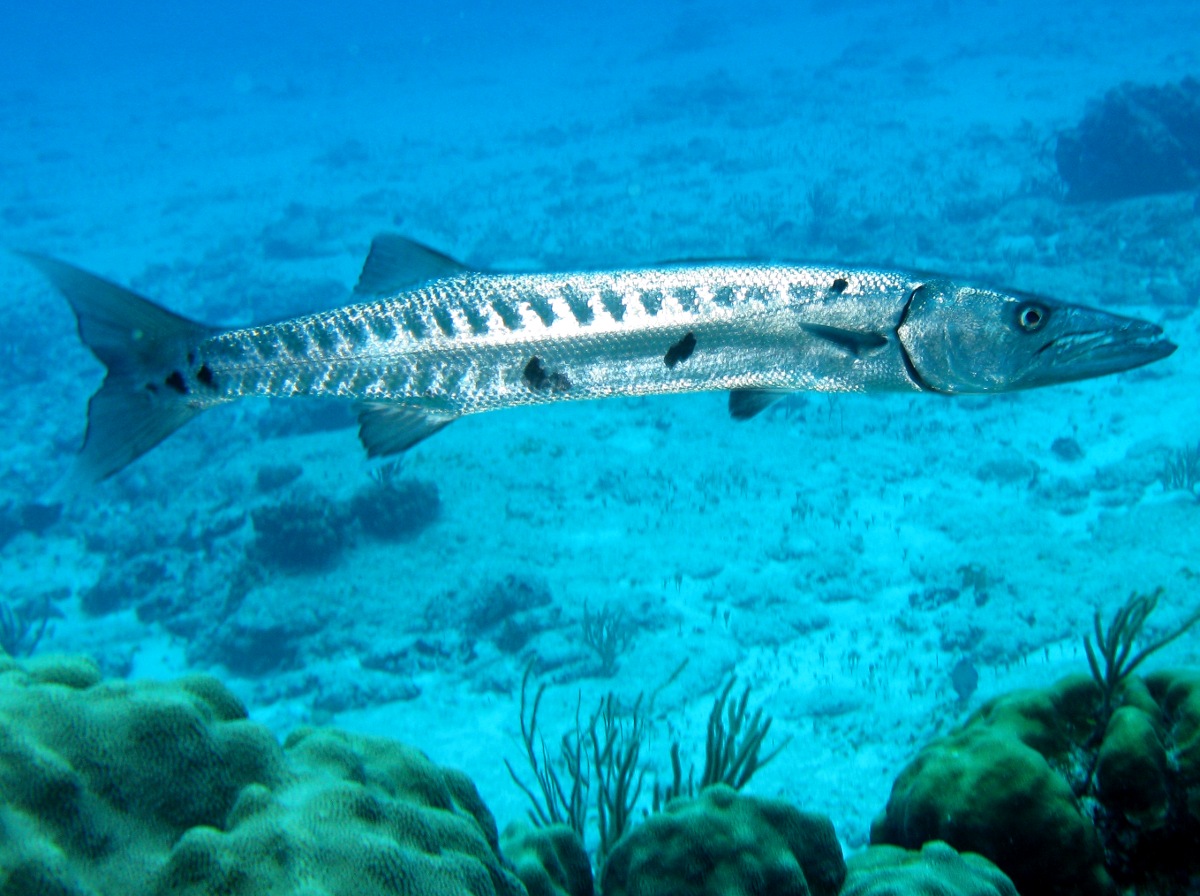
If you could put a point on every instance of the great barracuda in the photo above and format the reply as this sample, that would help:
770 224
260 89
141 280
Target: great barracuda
432 340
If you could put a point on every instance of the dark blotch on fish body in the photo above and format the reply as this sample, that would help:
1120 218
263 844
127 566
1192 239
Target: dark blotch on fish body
535 374
681 350
539 379
175 381
205 375
839 285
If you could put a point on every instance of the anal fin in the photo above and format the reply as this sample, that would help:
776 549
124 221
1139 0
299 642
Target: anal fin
747 403
385 428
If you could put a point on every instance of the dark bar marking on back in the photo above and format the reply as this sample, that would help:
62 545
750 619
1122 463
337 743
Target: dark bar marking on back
613 303
578 303
541 307
652 300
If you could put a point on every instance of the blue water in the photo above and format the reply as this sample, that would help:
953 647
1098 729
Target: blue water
233 161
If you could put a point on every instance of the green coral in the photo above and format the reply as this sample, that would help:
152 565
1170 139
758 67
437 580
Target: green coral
723 843
550 861
1027 783
115 788
936 870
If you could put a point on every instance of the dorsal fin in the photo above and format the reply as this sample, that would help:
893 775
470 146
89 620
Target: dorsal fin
396 263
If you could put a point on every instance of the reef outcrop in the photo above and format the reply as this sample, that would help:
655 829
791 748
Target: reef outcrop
1065 796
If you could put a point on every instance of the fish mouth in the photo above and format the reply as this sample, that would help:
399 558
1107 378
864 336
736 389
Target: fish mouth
1109 348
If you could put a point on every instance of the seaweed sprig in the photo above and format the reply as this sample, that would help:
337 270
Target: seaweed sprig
731 749
558 804
1112 660
610 634
1115 646
1180 470
616 750
20 629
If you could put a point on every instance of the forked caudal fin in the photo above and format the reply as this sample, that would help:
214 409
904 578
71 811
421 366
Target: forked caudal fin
143 347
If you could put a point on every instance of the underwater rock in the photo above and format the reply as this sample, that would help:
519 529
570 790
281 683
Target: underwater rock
30 517
120 585
367 688
301 534
38 518
964 678
509 612
1008 471
1066 449
109 788
394 509
725 842
301 232
275 476
1138 140
262 634
930 597
937 870
1062 807
10 524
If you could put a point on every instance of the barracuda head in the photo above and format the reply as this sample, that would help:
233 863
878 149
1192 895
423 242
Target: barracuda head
967 339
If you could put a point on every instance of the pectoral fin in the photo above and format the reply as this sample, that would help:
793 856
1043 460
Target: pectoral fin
854 342
391 428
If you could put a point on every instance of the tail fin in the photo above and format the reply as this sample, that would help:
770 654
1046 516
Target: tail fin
145 349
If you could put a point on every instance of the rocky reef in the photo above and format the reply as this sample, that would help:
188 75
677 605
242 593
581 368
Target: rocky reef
1139 139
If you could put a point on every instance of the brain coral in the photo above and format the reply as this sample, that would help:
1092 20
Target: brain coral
117 788
937 870
1062 805
723 843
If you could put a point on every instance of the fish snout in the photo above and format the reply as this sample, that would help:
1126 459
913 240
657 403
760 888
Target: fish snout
1093 343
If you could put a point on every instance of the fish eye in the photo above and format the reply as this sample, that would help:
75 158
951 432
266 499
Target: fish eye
1031 316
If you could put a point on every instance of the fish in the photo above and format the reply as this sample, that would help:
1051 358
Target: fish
429 339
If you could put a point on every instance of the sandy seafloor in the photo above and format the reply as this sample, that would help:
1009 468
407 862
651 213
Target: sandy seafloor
235 165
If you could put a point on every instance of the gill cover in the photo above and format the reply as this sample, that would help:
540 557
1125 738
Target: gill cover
967 339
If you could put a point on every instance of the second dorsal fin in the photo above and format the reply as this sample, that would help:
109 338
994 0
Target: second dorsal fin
396 263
